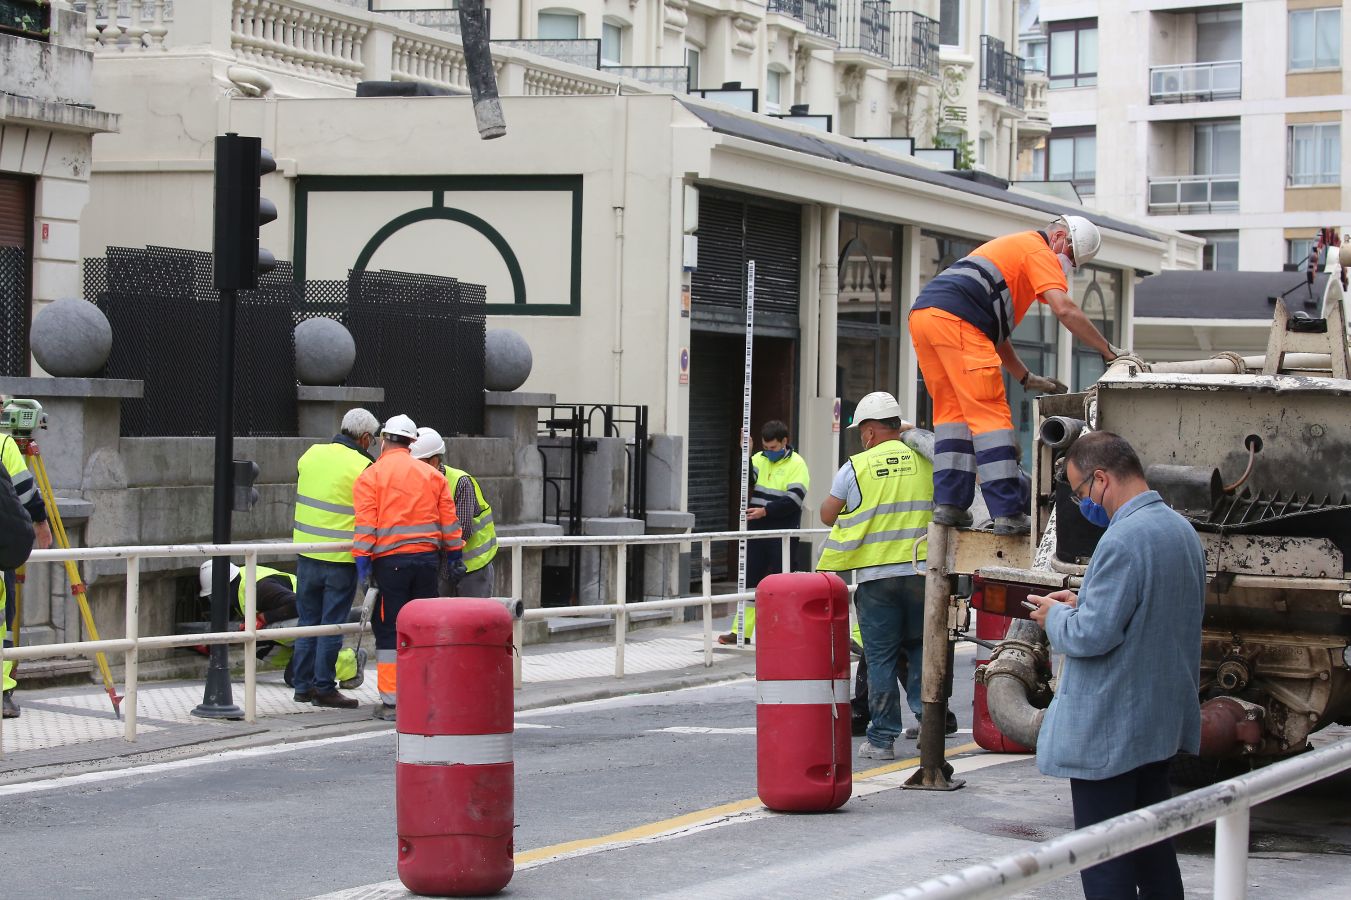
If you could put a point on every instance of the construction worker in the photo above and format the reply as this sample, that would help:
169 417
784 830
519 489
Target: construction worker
27 489
475 579
960 325
405 520
880 505
327 579
780 482
274 603
16 542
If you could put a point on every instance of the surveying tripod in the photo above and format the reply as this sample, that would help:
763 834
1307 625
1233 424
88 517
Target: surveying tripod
21 418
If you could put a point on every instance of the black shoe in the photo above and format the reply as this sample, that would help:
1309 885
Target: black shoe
385 712
946 514
335 700
1019 524
304 697
11 709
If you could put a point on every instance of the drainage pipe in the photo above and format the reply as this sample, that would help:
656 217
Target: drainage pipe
1012 678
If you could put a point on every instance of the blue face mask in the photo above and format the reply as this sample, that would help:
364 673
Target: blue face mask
774 455
1090 509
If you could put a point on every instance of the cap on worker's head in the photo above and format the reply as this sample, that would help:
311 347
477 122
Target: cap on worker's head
1085 239
400 426
877 405
427 444
204 577
359 421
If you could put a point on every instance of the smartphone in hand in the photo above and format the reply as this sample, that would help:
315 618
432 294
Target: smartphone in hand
1029 605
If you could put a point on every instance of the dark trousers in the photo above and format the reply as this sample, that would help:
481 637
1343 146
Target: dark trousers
1151 870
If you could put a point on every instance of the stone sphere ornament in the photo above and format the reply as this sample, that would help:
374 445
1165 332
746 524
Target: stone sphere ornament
71 338
506 360
325 352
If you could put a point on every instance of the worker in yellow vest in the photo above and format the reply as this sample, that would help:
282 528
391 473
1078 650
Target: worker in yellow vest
16 542
879 507
779 486
27 489
476 519
327 579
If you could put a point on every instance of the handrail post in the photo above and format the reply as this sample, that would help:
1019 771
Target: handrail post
251 639
132 660
785 554
517 627
621 598
1231 854
706 571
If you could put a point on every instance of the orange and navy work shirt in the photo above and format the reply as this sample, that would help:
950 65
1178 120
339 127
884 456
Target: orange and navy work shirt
995 286
403 505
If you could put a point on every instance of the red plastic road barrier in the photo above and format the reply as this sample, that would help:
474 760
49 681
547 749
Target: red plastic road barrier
454 781
803 749
990 627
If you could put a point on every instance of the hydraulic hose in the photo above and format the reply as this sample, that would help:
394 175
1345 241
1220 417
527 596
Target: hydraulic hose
1012 677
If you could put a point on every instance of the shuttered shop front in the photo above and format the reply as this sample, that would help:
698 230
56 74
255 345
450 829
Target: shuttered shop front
16 224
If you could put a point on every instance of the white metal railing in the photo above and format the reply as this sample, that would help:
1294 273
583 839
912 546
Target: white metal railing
1195 82
132 642
1227 804
1193 193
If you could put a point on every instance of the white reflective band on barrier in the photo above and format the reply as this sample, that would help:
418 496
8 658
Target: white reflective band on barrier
455 749
817 691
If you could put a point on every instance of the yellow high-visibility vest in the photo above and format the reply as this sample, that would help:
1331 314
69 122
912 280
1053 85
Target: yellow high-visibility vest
897 487
263 572
324 508
481 547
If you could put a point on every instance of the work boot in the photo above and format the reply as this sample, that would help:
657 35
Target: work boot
729 638
304 696
1019 524
335 700
869 750
913 731
11 710
858 725
351 684
385 712
947 514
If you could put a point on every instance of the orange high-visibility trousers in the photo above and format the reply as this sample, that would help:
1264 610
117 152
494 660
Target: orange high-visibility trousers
973 428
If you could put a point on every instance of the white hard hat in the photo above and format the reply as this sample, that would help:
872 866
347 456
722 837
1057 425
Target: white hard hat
204 577
1085 239
428 444
400 426
877 405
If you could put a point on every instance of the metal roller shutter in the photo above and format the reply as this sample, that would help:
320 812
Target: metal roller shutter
16 223
715 419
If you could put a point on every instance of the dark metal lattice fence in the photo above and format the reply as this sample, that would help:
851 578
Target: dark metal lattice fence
13 311
419 337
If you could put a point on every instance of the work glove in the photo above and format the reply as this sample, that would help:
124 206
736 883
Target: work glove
1116 352
363 569
1040 384
452 566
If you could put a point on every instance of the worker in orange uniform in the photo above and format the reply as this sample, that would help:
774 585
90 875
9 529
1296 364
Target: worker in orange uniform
405 521
960 325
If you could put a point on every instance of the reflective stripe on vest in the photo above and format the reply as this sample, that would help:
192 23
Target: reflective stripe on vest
896 484
25 485
263 572
324 510
481 547
786 479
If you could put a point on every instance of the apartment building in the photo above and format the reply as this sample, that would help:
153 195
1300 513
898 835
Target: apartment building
1219 119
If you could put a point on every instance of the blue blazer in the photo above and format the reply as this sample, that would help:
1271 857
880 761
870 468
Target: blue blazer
1127 694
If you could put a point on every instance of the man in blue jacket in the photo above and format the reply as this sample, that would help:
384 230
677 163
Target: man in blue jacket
1127 699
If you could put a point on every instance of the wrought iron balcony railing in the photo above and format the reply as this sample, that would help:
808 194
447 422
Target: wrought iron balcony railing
866 26
914 42
1196 82
820 16
1001 72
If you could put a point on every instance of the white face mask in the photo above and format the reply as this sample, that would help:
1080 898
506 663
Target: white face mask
1066 266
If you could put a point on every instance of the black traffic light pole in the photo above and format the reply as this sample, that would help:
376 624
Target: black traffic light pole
240 210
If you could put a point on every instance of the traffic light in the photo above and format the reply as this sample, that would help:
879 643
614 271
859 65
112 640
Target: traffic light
245 473
241 210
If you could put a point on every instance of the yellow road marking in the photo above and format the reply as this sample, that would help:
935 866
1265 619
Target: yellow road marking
704 815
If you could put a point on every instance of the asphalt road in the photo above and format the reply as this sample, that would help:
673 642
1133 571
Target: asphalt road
318 818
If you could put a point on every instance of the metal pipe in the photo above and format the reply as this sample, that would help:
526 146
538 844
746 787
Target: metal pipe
1010 677
131 663
1232 364
1058 432
706 585
934 772
1231 855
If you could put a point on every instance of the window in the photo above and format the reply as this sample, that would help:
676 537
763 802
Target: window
950 23
1074 53
1315 39
1034 55
692 63
1297 252
773 90
1073 156
1220 253
559 26
611 44
1219 35
986 155
1315 154
1215 148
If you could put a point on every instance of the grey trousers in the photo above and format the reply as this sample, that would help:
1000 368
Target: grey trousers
478 583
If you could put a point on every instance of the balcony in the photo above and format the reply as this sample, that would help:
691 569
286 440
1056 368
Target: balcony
1196 82
820 16
914 45
436 19
1191 194
1038 121
865 29
1001 72
675 79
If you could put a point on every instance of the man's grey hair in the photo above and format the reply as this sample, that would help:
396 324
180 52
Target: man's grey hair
358 422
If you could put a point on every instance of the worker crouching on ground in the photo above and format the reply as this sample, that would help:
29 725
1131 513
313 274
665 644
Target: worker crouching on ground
405 521
780 481
880 505
474 576
961 325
